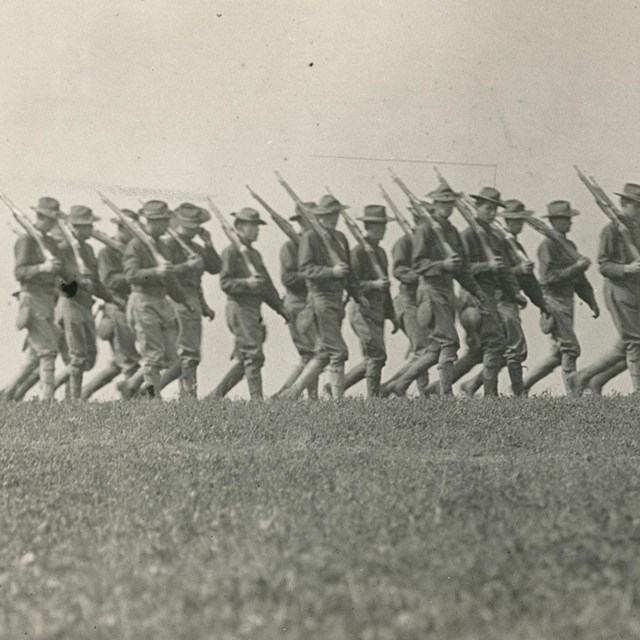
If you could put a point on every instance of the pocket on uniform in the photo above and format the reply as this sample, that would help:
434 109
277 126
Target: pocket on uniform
305 319
24 314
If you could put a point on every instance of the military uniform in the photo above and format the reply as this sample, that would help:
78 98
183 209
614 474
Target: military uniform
621 288
189 342
149 309
243 311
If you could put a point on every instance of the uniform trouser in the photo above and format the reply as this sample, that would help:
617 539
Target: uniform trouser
565 345
624 306
189 342
328 312
154 323
80 334
437 319
516 351
493 338
37 315
368 325
122 340
301 327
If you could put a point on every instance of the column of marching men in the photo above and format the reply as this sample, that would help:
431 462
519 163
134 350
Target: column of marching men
148 277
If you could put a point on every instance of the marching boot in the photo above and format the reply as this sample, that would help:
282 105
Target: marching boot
446 378
579 380
596 384
27 385
490 381
129 387
295 374
373 383
472 386
75 384
254 382
24 374
515 375
309 376
418 367
189 381
171 373
422 382
336 379
151 385
101 379
312 389
461 367
542 371
356 374
230 380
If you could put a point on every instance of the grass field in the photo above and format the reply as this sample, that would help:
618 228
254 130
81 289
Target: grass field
384 520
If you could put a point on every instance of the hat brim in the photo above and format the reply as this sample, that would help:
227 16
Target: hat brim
257 221
498 203
516 215
295 217
371 219
568 214
47 212
83 223
628 197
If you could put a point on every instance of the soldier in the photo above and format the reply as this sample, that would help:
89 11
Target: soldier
368 323
114 326
189 269
562 276
301 327
245 295
515 215
622 276
597 374
76 300
149 308
496 280
39 278
327 283
435 297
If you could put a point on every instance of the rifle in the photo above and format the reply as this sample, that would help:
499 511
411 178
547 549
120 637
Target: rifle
362 241
421 208
234 238
73 242
549 232
468 211
520 255
611 211
190 253
402 221
107 241
136 230
29 227
282 222
312 221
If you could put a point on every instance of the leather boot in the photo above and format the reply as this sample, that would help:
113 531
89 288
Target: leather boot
101 379
230 380
541 371
75 384
355 375
515 375
472 386
446 378
336 379
312 389
189 383
129 387
373 385
422 382
490 381
46 374
171 373
254 382
418 367
309 375
596 384
151 385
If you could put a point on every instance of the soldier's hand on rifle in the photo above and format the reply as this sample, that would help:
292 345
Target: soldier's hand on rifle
205 235
51 266
196 263
583 263
496 264
481 298
526 267
363 302
208 312
521 301
380 283
596 310
255 282
633 268
164 269
452 263
340 270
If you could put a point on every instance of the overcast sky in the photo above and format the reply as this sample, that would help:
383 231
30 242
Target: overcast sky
206 96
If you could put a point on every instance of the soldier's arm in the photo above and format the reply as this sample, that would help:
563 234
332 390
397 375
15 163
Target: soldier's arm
290 276
508 280
211 259
609 263
110 272
532 289
425 260
309 262
401 260
134 261
549 255
27 265
358 262
232 278
97 287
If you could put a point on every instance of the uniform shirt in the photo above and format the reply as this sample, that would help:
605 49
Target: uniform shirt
402 266
428 256
190 278
290 275
70 272
111 272
139 266
234 274
364 271
502 283
316 266
28 258
559 276
614 254
528 282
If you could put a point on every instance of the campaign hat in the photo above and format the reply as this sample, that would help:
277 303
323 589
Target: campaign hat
375 213
155 210
247 214
443 194
191 216
311 206
630 191
515 210
329 204
80 215
489 194
132 215
560 209
49 207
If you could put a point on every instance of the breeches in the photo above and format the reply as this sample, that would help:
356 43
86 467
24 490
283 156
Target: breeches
189 343
245 323
304 337
154 322
625 312
565 342
406 312
516 351
368 325
36 314
123 341
79 332
493 340
328 312
440 321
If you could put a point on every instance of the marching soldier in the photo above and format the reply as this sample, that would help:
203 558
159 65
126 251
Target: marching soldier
149 308
114 326
436 300
597 374
301 327
245 295
76 300
39 278
622 277
189 269
561 277
368 323
327 283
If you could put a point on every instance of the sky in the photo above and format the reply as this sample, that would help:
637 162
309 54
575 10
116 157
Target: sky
206 96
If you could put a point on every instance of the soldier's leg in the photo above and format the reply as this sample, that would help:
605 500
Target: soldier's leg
27 385
189 343
100 380
330 328
473 385
579 381
364 329
24 374
229 381
172 373
516 351
597 382
566 339
250 335
546 367
494 344
376 358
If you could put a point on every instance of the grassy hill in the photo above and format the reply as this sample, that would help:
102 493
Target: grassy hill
381 520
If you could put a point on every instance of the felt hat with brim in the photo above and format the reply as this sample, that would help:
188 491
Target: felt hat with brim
375 213
132 215
560 209
329 204
515 210
489 194
80 215
155 210
191 216
310 206
443 194
630 191
247 214
49 207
